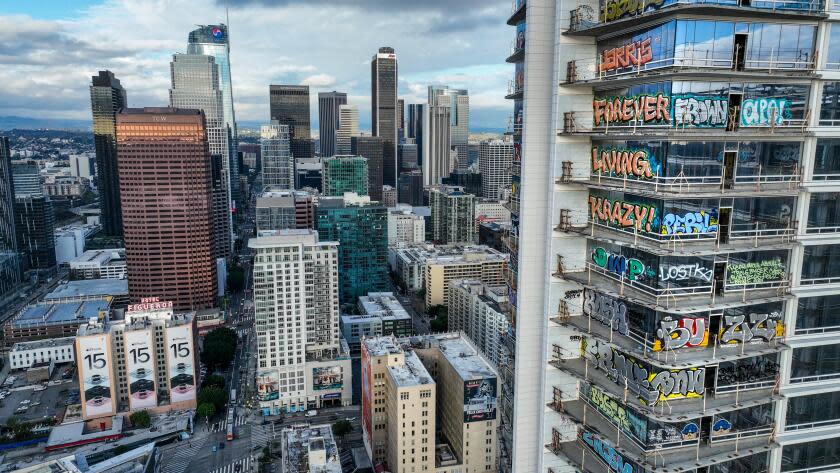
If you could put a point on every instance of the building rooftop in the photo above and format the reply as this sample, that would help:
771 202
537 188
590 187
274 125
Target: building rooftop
465 358
99 256
382 304
309 449
37 344
85 228
452 254
80 431
89 288
280 193
286 236
60 312
379 346
137 459
410 373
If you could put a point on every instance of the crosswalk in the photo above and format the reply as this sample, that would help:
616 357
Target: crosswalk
243 331
243 465
183 456
262 434
222 424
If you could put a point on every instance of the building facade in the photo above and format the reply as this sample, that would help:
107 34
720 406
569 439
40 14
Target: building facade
459 119
453 215
289 105
279 209
55 350
301 363
371 148
34 218
107 97
9 259
436 162
379 313
404 226
348 127
475 309
494 161
278 165
329 120
99 264
384 122
166 149
410 188
342 174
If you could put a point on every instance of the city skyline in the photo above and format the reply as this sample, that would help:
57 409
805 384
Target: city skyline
136 42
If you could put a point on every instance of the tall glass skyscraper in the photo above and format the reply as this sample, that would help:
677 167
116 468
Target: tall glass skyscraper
9 269
213 40
195 85
384 86
329 107
107 97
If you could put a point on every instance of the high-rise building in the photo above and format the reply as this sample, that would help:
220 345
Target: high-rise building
475 309
165 183
389 196
414 127
415 387
301 362
470 181
195 85
361 229
348 127
405 226
213 40
329 120
436 140
407 156
400 119
674 326
279 208
344 174
83 165
34 218
277 162
384 122
9 263
107 97
371 148
308 173
494 161
410 188
290 106
459 115
453 215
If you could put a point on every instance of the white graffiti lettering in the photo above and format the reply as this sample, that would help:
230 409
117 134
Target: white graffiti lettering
686 332
689 382
737 330
684 272
700 111
763 112
607 310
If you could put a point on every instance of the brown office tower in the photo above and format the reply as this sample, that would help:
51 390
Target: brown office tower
166 192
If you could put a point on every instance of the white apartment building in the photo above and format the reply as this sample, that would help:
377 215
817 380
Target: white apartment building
494 160
348 127
404 226
301 361
475 310
489 210
54 350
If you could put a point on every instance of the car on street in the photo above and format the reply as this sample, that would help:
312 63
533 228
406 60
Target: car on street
221 445
311 413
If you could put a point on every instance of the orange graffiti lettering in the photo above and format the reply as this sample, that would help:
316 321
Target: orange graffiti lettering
637 53
646 108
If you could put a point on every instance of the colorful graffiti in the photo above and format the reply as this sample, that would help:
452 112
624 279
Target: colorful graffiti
754 273
686 332
679 384
608 453
684 272
690 222
608 310
737 329
637 53
721 427
623 214
707 112
641 108
764 112
624 419
631 268
624 162
616 9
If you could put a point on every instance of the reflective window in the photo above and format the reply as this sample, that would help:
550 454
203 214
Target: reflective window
832 61
815 409
821 264
830 103
704 43
743 420
824 213
766 160
827 159
755 372
818 314
817 454
763 216
751 464
815 363
780 46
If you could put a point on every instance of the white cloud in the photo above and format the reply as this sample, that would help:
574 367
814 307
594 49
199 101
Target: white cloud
319 80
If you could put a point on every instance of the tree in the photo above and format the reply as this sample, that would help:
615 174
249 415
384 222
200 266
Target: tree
235 279
219 348
214 380
342 428
440 324
206 410
213 395
141 419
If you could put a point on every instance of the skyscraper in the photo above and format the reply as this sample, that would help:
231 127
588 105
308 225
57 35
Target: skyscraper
414 127
329 119
348 128
107 97
400 120
34 218
342 174
213 40
436 140
9 265
165 184
289 105
277 163
453 215
494 161
384 90
459 106
195 85
371 148
300 362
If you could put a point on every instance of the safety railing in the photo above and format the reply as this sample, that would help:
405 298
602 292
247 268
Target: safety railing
651 290
812 425
756 286
755 232
825 177
746 386
822 230
764 431
817 330
814 378
818 281
829 122
514 88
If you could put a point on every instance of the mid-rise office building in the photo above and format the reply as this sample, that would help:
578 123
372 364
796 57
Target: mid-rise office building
279 209
371 148
82 165
99 264
289 105
308 173
344 174
470 181
34 218
494 161
348 127
361 229
301 362
475 309
436 162
404 226
410 188
384 123
329 120
379 313
107 97
453 215
145 361
494 234
165 181
195 85
9 262
428 404
278 166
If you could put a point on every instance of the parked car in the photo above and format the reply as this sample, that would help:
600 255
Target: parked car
311 413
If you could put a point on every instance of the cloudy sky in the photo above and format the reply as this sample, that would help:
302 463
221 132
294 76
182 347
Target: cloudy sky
50 48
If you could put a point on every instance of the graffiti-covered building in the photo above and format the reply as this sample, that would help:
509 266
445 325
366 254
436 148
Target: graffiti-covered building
675 217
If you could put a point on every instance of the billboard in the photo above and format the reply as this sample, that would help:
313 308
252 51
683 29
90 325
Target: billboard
367 394
267 385
180 363
140 365
479 400
327 377
94 362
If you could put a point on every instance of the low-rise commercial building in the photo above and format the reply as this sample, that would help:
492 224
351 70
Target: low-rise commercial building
309 449
380 313
489 210
54 350
99 264
53 319
91 289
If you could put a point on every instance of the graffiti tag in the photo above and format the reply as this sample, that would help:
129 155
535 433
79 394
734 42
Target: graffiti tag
608 454
764 112
637 53
752 273
623 418
700 111
690 222
684 272
631 268
685 332
572 294
643 108
624 162
737 329
607 310
679 384
623 214
615 9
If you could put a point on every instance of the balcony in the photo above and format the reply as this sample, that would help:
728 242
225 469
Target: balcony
515 90
517 12
517 51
